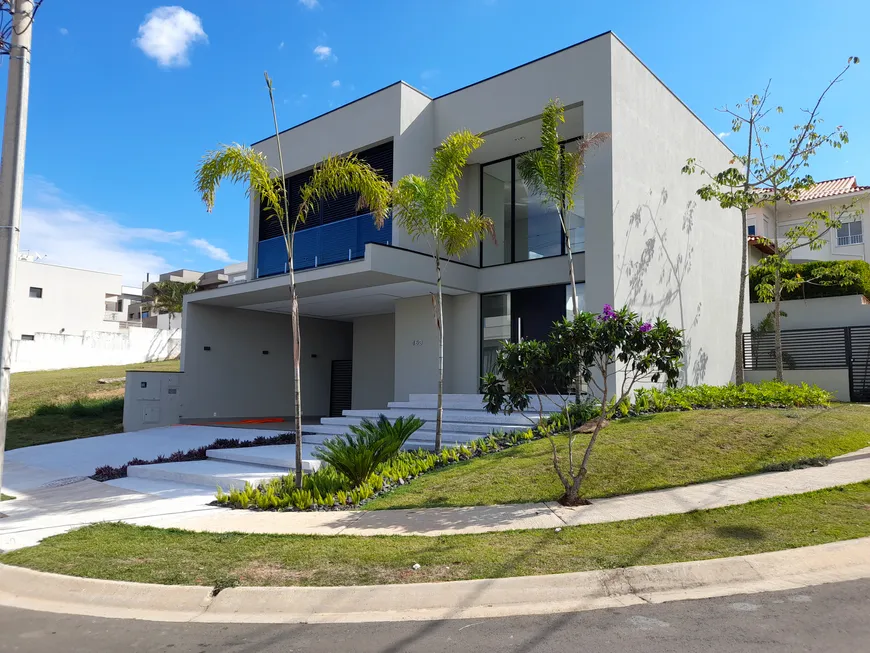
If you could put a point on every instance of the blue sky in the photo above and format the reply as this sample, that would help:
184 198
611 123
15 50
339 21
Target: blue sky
123 108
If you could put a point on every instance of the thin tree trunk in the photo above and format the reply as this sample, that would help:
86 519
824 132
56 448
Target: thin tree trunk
440 322
777 330
739 373
289 233
572 496
575 304
297 375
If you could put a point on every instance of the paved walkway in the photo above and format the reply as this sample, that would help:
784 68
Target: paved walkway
54 503
850 468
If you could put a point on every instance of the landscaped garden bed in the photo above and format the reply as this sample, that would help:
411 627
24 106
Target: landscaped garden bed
645 451
176 557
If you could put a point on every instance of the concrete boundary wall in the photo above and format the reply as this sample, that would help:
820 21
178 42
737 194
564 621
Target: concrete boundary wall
54 351
817 313
835 381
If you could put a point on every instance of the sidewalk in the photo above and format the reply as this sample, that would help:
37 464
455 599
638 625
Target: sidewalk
850 468
51 510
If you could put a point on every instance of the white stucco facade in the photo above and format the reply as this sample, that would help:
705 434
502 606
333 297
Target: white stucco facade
648 243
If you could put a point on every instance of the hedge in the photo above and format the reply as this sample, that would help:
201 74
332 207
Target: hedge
811 290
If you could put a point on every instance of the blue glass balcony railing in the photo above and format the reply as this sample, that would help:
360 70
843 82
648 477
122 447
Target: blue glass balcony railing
328 244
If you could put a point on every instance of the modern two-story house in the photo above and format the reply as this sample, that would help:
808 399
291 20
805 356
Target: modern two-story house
640 237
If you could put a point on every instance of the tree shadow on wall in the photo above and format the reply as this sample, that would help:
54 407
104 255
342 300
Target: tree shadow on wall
655 279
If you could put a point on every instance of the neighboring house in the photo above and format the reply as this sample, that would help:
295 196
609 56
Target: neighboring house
144 311
846 243
62 300
639 233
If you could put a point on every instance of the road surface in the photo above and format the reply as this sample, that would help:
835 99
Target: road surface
830 618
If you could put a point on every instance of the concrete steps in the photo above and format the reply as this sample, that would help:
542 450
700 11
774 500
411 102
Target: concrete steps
208 473
464 420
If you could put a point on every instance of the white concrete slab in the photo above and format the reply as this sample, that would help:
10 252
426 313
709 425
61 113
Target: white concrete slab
280 456
207 473
81 457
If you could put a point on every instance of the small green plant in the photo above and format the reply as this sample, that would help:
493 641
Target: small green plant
767 394
372 444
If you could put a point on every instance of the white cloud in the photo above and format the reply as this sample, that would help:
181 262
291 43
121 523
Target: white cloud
78 236
212 251
324 53
309 4
281 45
336 83
723 135
63 31
167 35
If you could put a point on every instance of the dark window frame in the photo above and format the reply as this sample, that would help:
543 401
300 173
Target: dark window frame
35 292
512 158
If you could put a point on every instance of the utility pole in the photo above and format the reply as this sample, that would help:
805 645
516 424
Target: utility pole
12 189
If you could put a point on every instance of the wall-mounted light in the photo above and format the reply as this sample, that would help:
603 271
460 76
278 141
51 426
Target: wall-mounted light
206 348
265 352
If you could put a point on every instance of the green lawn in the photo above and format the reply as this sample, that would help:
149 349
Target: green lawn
645 453
151 555
31 392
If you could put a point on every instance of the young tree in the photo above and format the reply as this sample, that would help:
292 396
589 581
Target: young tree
334 176
169 296
745 187
779 273
615 348
424 208
552 172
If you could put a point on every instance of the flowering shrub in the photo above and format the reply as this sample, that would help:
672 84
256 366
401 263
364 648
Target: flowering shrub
610 352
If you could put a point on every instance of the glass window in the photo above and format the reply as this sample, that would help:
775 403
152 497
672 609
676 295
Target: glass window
496 204
750 230
496 315
569 299
35 292
851 233
537 229
27 337
576 220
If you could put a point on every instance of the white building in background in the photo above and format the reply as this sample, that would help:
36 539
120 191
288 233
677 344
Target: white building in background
68 317
846 243
640 237
62 300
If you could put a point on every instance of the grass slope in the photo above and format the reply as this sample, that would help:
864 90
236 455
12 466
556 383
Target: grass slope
150 555
44 405
645 453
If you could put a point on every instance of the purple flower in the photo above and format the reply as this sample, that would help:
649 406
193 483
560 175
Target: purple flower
646 326
606 313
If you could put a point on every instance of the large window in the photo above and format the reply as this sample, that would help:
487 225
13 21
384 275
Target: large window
525 227
851 233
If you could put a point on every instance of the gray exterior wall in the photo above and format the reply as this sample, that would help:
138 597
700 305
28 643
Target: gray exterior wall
235 378
673 255
374 338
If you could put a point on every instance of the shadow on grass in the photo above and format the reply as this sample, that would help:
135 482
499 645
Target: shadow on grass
746 533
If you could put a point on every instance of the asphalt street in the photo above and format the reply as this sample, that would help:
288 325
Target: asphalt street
829 618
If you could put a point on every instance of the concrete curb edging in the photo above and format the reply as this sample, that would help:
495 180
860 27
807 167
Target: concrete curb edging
573 592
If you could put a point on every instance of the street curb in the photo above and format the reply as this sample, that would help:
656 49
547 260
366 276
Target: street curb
764 572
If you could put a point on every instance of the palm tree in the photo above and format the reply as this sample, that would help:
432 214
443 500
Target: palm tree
168 296
424 208
334 176
551 174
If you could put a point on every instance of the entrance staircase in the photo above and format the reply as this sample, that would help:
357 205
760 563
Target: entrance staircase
464 420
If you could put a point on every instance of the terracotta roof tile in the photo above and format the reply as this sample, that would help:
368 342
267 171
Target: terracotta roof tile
842 186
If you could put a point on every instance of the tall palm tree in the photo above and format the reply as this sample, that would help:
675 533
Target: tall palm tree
424 208
168 296
335 175
551 174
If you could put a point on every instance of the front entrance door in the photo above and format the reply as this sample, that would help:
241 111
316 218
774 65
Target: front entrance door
534 310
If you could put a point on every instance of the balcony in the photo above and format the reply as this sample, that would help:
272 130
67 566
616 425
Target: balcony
328 244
